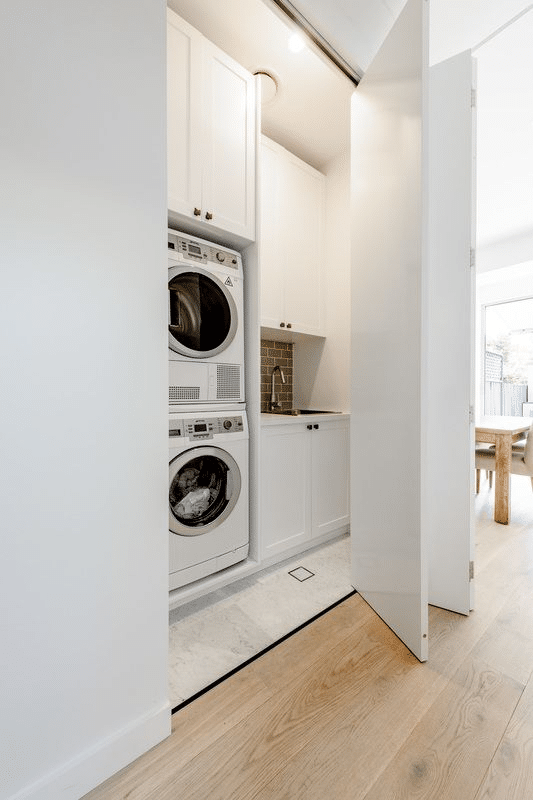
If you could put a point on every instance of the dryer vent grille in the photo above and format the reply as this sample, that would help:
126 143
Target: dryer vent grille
177 394
228 382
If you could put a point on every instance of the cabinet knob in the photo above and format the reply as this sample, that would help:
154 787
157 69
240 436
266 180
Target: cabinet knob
281 324
197 212
289 324
208 215
309 427
316 427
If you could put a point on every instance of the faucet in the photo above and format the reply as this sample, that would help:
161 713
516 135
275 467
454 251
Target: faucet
274 402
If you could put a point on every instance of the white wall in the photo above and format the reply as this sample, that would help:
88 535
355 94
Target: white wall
83 392
322 368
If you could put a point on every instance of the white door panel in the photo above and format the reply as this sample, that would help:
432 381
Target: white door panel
448 487
229 167
272 249
286 488
183 115
304 208
330 479
389 548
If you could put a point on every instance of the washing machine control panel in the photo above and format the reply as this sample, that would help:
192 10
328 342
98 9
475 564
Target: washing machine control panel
206 428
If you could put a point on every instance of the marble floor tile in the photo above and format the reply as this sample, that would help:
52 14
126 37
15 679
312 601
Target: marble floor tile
213 635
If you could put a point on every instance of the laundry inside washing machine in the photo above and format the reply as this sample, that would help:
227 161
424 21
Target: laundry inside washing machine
208 492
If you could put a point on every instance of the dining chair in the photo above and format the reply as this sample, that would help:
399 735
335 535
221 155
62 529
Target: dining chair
487 449
521 458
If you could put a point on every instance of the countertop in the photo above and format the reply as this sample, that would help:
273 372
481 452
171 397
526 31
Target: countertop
290 419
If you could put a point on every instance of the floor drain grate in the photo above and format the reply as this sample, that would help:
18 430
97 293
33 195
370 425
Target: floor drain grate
301 574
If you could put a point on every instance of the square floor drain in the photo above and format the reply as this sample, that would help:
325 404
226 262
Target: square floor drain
301 574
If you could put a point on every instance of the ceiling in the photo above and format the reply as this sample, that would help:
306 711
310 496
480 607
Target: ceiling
310 113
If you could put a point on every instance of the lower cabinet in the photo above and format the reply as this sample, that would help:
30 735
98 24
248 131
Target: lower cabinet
304 483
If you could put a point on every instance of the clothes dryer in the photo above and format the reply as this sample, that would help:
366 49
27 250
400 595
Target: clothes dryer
205 309
208 492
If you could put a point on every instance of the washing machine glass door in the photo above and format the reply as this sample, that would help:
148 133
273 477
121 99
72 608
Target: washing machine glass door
204 486
202 313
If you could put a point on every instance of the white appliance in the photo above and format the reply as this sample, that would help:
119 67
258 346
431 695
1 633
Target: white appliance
205 309
208 492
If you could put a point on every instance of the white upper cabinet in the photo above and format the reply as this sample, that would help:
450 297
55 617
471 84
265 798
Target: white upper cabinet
292 242
211 136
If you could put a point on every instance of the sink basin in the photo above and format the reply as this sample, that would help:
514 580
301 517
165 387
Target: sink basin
295 412
298 411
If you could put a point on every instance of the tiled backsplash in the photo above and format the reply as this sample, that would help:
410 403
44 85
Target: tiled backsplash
273 353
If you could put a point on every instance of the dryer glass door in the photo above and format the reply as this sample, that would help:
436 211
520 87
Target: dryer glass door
204 486
202 313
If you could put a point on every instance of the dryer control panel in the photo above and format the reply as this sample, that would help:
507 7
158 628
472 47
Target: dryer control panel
186 249
206 427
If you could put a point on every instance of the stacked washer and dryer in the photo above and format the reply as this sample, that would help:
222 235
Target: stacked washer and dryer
208 430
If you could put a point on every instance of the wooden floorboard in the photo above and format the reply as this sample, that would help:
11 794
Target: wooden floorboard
343 711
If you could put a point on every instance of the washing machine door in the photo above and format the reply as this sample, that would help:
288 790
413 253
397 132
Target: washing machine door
202 313
204 486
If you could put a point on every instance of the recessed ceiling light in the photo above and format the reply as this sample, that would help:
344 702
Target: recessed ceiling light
296 43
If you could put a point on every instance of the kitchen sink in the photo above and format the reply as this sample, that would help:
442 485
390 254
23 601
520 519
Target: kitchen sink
296 412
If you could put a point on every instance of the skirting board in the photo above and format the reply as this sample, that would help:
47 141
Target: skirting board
93 766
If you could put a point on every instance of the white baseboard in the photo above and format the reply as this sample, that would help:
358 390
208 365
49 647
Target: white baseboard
93 766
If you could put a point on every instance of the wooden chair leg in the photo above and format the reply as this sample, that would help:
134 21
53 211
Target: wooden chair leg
490 479
478 475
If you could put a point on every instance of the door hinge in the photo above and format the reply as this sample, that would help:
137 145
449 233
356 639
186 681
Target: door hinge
471 415
471 571
472 257
473 97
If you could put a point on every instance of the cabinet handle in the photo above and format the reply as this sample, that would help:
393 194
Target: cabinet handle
281 324
197 212
289 324
316 427
309 427
208 215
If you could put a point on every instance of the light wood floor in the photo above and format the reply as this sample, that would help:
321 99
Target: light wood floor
343 711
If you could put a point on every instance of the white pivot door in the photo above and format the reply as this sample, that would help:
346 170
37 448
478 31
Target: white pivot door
404 252
389 543
448 490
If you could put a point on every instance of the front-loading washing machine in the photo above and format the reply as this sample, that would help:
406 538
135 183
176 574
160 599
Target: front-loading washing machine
208 492
205 326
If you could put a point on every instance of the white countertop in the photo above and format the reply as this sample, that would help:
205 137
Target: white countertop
288 419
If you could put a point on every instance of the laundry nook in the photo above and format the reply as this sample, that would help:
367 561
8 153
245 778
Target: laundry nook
266 296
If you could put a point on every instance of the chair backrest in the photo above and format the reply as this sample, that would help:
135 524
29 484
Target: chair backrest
528 451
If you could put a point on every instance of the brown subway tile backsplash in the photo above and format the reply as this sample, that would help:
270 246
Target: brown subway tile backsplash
272 354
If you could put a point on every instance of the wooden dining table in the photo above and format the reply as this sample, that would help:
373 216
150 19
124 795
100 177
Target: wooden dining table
502 432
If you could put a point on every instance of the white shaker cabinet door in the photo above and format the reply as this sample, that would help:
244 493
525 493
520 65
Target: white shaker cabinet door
272 246
229 154
304 213
292 242
285 488
184 115
330 465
